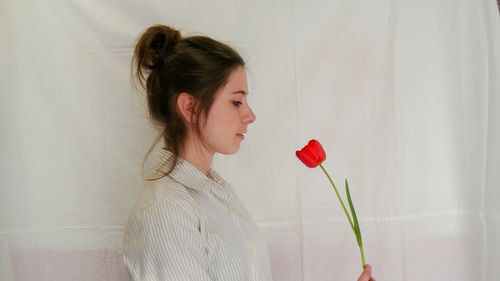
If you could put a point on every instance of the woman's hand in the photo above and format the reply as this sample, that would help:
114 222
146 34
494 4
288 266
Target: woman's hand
367 274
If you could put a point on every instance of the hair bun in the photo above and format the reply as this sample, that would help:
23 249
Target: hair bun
156 44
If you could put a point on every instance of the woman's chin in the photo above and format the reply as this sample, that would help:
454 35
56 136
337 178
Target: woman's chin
232 150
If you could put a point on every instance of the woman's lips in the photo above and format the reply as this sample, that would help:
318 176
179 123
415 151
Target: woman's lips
241 136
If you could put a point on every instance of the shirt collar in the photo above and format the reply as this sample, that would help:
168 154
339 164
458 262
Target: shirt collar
188 175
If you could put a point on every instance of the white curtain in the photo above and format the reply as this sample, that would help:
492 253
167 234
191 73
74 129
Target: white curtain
404 95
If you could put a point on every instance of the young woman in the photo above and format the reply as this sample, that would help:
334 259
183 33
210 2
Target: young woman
188 223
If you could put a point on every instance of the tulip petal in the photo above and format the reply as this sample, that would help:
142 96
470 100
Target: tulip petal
308 150
317 149
307 158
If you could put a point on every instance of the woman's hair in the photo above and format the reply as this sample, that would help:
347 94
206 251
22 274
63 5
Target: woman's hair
167 64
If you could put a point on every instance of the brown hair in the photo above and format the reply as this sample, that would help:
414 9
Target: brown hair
166 64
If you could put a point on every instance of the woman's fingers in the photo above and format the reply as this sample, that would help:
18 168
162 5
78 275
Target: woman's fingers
367 274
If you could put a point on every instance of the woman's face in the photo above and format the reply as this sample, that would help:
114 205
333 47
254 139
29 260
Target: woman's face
229 116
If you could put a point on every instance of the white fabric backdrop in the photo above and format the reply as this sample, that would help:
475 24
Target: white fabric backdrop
403 94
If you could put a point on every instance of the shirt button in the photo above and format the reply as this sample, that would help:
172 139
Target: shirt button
229 213
252 251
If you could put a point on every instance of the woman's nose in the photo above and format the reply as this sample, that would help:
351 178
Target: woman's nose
250 116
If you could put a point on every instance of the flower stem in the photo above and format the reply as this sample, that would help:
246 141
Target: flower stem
362 255
340 199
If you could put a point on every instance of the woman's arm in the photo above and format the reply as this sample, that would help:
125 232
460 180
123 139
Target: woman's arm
165 244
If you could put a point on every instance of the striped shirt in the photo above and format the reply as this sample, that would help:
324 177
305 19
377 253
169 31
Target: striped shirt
190 226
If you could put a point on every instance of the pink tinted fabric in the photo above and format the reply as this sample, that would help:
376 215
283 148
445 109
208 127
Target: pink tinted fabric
72 265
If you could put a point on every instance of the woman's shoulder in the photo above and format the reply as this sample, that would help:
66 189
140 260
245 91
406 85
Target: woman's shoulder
163 192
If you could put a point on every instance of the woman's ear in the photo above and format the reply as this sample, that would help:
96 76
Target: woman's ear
185 105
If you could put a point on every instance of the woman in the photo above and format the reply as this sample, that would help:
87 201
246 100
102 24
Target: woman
188 223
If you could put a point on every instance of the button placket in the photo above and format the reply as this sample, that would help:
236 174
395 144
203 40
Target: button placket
230 214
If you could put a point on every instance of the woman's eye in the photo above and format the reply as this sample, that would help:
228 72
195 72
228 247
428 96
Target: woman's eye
237 103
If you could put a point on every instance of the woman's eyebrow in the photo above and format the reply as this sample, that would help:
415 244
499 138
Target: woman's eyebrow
240 92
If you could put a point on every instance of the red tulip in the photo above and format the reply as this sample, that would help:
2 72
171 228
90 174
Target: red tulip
312 154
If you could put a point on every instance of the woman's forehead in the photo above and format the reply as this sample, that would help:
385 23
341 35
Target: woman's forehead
237 82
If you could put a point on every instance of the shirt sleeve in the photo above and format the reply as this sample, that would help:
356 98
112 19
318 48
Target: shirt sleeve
165 244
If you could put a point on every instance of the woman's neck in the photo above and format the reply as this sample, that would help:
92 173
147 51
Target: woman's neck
195 153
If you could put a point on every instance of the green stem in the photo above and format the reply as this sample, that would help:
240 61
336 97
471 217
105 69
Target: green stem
362 255
340 199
